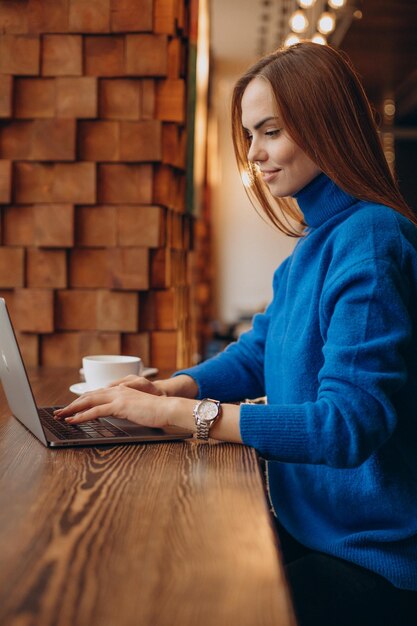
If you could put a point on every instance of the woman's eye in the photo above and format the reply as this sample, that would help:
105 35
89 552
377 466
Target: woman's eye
273 133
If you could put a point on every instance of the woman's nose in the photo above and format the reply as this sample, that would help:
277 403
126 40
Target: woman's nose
255 152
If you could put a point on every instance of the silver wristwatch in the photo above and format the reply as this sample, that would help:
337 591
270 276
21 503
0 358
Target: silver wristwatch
205 413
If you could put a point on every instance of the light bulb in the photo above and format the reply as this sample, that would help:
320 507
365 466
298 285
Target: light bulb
336 4
306 4
326 23
298 22
291 40
317 38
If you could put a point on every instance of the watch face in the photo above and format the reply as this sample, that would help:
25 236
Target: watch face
207 410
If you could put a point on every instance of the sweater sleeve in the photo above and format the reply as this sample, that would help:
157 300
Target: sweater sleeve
367 330
238 371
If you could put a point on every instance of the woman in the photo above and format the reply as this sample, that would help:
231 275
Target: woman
335 352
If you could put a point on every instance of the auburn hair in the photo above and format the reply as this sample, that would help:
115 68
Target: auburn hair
326 112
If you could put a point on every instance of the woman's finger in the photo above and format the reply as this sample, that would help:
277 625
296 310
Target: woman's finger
126 380
85 401
101 410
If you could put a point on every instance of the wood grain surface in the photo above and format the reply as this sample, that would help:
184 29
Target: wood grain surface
159 534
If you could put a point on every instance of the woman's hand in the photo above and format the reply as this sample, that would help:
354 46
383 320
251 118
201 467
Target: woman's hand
145 408
140 384
182 386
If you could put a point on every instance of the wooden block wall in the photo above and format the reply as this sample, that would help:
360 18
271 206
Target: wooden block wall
95 241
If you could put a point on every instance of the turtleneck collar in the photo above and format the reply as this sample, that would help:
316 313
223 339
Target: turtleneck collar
322 199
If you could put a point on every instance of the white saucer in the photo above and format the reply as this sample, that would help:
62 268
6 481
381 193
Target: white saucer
80 388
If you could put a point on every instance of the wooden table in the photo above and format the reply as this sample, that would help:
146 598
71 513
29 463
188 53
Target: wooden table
160 534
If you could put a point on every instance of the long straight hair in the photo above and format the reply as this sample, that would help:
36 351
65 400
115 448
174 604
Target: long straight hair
326 112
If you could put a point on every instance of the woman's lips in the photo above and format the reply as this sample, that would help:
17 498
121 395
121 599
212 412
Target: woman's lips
268 175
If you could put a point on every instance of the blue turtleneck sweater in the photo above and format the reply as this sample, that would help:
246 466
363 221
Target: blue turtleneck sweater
336 355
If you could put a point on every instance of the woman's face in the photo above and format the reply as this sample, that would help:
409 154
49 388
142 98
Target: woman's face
284 167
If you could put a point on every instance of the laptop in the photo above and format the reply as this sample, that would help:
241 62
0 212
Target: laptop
40 421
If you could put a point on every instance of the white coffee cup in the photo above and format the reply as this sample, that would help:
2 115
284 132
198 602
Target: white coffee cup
102 369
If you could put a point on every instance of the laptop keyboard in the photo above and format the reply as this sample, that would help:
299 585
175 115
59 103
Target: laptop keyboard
89 430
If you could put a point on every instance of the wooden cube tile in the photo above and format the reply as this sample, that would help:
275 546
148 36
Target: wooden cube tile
161 268
169 187
172 145
117 311
9 296
140 226
166 309
76 97
120 183
34 97
5 181
47 16
70 347
12 272
89 268
175 58
120 99
164 346
29 347
129 268
183 16
53 225
18 225
13 17
49 225
52 140
146 55
34 310
54 182
16 140
74 183
171 100
162 309
62 55
19 54
164 185
95 226
104 56
141 141
89 17
98 141
100 343
165 13
61 348
33 182
130 15
76 309
137 344
46 268
6 96
148 98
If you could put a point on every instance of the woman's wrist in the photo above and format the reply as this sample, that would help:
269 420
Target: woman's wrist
180 386
179 412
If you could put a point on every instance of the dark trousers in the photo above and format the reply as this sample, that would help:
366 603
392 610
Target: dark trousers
328 591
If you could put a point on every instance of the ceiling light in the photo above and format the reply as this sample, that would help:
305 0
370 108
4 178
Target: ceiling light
306 4
336 4
318 38
326 23
291 40
298 22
